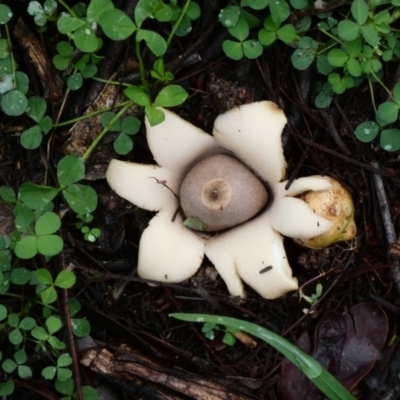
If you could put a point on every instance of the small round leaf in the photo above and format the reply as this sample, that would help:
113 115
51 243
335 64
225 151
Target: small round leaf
14 103
390 139
65 279
26 248
367 131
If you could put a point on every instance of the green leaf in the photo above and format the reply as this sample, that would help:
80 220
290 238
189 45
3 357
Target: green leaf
66 388
21 82
53 324
252 49
98 7
45 124
233 49
138 95
323 65
390 139
229 16
81 198
39 333
49 372
106 119
44 276
85 39
196 224
240 31
337 57
47 224
13 320
75 81
64 360
170 96
67 24
287 33
9 365
154 115
49 245
65 49
7 388
194 11
396 94
3 312
116 24
80 327
74 306
5 16
302 58
70 169
154 41
36 108
36 196
24 372
14 103
56 344
256 4
143 10
299 4
123 144
20 276
31 138
359 10
27 324
48 295
63 374
370 35
24 217
266 37
388 112
26 248
280 10
332 388
7 194
65 279
367 131
229 339
15 337
354 67
20 356
130 125
164 14
348 30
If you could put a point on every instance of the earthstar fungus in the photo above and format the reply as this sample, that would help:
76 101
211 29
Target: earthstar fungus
246 143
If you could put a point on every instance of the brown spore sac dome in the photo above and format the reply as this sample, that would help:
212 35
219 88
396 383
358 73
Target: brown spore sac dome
222 192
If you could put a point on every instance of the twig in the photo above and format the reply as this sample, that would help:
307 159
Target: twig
388 224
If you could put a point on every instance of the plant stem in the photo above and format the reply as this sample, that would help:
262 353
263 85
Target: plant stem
11 55
331 36
383 86
105 130
92 114
141 64
178 22
70 10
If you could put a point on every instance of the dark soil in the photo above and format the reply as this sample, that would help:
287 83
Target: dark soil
150 355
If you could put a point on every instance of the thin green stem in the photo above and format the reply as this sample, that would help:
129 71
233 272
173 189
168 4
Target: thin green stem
141 64
331 36
383 85
70 10
92 114
371 90
177 23
105 130
11 55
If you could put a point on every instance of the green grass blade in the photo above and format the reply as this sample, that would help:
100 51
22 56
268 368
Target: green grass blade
321 378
